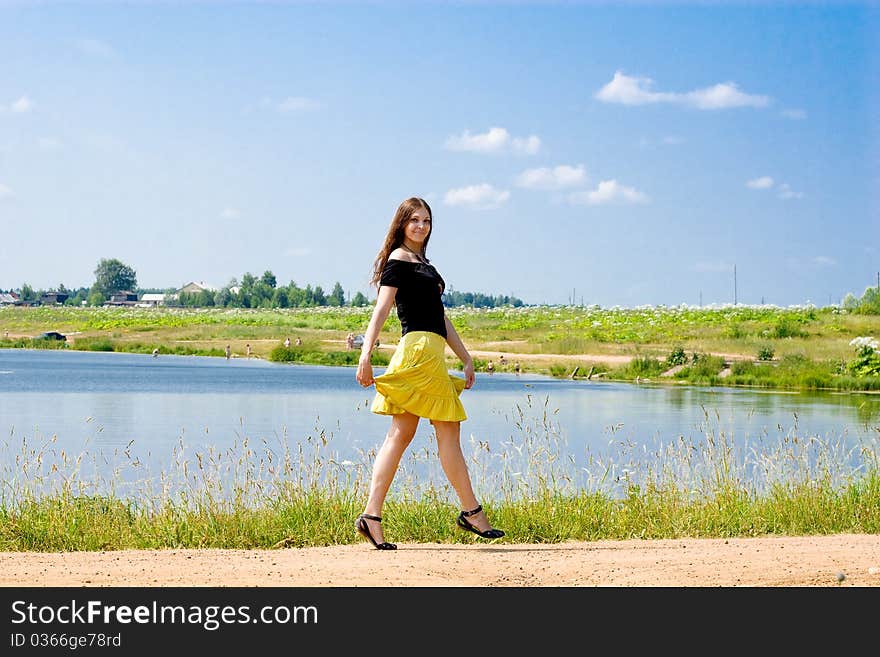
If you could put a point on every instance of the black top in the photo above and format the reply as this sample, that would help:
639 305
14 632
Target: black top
419 289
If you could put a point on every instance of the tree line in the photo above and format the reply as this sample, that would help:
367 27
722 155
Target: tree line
113 276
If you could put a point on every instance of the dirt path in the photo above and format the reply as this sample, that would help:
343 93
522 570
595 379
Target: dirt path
815 561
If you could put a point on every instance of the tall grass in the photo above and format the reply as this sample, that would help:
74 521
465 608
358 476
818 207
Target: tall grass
282 493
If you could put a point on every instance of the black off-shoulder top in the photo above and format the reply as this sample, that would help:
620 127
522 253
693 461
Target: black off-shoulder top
419 295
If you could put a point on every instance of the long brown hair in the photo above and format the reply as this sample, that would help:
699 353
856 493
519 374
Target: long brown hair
395 235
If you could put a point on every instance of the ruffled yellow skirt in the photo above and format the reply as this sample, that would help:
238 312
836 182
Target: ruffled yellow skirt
417 381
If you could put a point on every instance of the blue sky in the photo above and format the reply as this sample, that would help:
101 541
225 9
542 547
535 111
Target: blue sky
617 154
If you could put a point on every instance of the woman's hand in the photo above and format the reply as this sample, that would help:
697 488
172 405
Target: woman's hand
469 376
364 374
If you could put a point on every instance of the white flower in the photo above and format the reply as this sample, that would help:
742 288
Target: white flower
864 341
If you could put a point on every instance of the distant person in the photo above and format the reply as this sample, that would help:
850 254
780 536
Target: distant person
287 342
228 352
490 367
516 366
247 348
298 342
349 340
156 352
416 383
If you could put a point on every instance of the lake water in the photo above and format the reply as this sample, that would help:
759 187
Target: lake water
107 403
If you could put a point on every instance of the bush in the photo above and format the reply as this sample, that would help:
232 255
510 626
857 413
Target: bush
786 328
867 361
704 366
677 357
742 368
644 366
766 352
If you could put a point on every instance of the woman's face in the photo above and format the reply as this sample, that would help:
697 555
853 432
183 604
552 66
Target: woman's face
418 227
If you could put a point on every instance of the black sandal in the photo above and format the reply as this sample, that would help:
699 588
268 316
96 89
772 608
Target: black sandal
361 526
464 524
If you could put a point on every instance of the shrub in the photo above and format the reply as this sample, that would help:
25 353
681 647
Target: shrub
867 361
766 352
786 328
704 366
677 357
644 366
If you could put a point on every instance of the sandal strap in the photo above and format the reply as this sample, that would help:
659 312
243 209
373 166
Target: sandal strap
369 517
474 512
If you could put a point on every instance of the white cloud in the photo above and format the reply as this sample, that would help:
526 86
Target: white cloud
795 114
629 90
824 260
496 140
764 182
5 192
230 213
608 191
557 177
95 47
484 196
20 106
723 96
786 192
528 145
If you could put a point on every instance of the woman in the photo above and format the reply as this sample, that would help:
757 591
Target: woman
416 383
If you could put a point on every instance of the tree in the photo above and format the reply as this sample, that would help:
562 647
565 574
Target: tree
337 296
27 293
112 276
268 279
359 299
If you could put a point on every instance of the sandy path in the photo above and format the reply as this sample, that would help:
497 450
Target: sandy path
775 561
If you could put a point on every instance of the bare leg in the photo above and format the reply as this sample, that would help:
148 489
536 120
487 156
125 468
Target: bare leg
400 435
455 467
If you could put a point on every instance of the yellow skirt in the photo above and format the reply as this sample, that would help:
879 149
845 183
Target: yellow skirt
417 381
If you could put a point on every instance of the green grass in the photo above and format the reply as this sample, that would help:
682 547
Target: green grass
262 495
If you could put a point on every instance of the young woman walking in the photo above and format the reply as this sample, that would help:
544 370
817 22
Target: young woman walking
416 383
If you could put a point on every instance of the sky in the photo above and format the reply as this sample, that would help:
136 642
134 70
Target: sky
619 154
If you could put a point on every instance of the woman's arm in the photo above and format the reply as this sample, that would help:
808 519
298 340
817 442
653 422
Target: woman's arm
461 351
384 301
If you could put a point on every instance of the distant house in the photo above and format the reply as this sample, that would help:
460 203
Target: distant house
151 300
9 299
194 287
123 298
53 298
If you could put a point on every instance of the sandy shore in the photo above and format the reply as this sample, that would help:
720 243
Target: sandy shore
801 561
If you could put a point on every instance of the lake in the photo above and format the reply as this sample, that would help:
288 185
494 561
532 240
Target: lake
160 409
